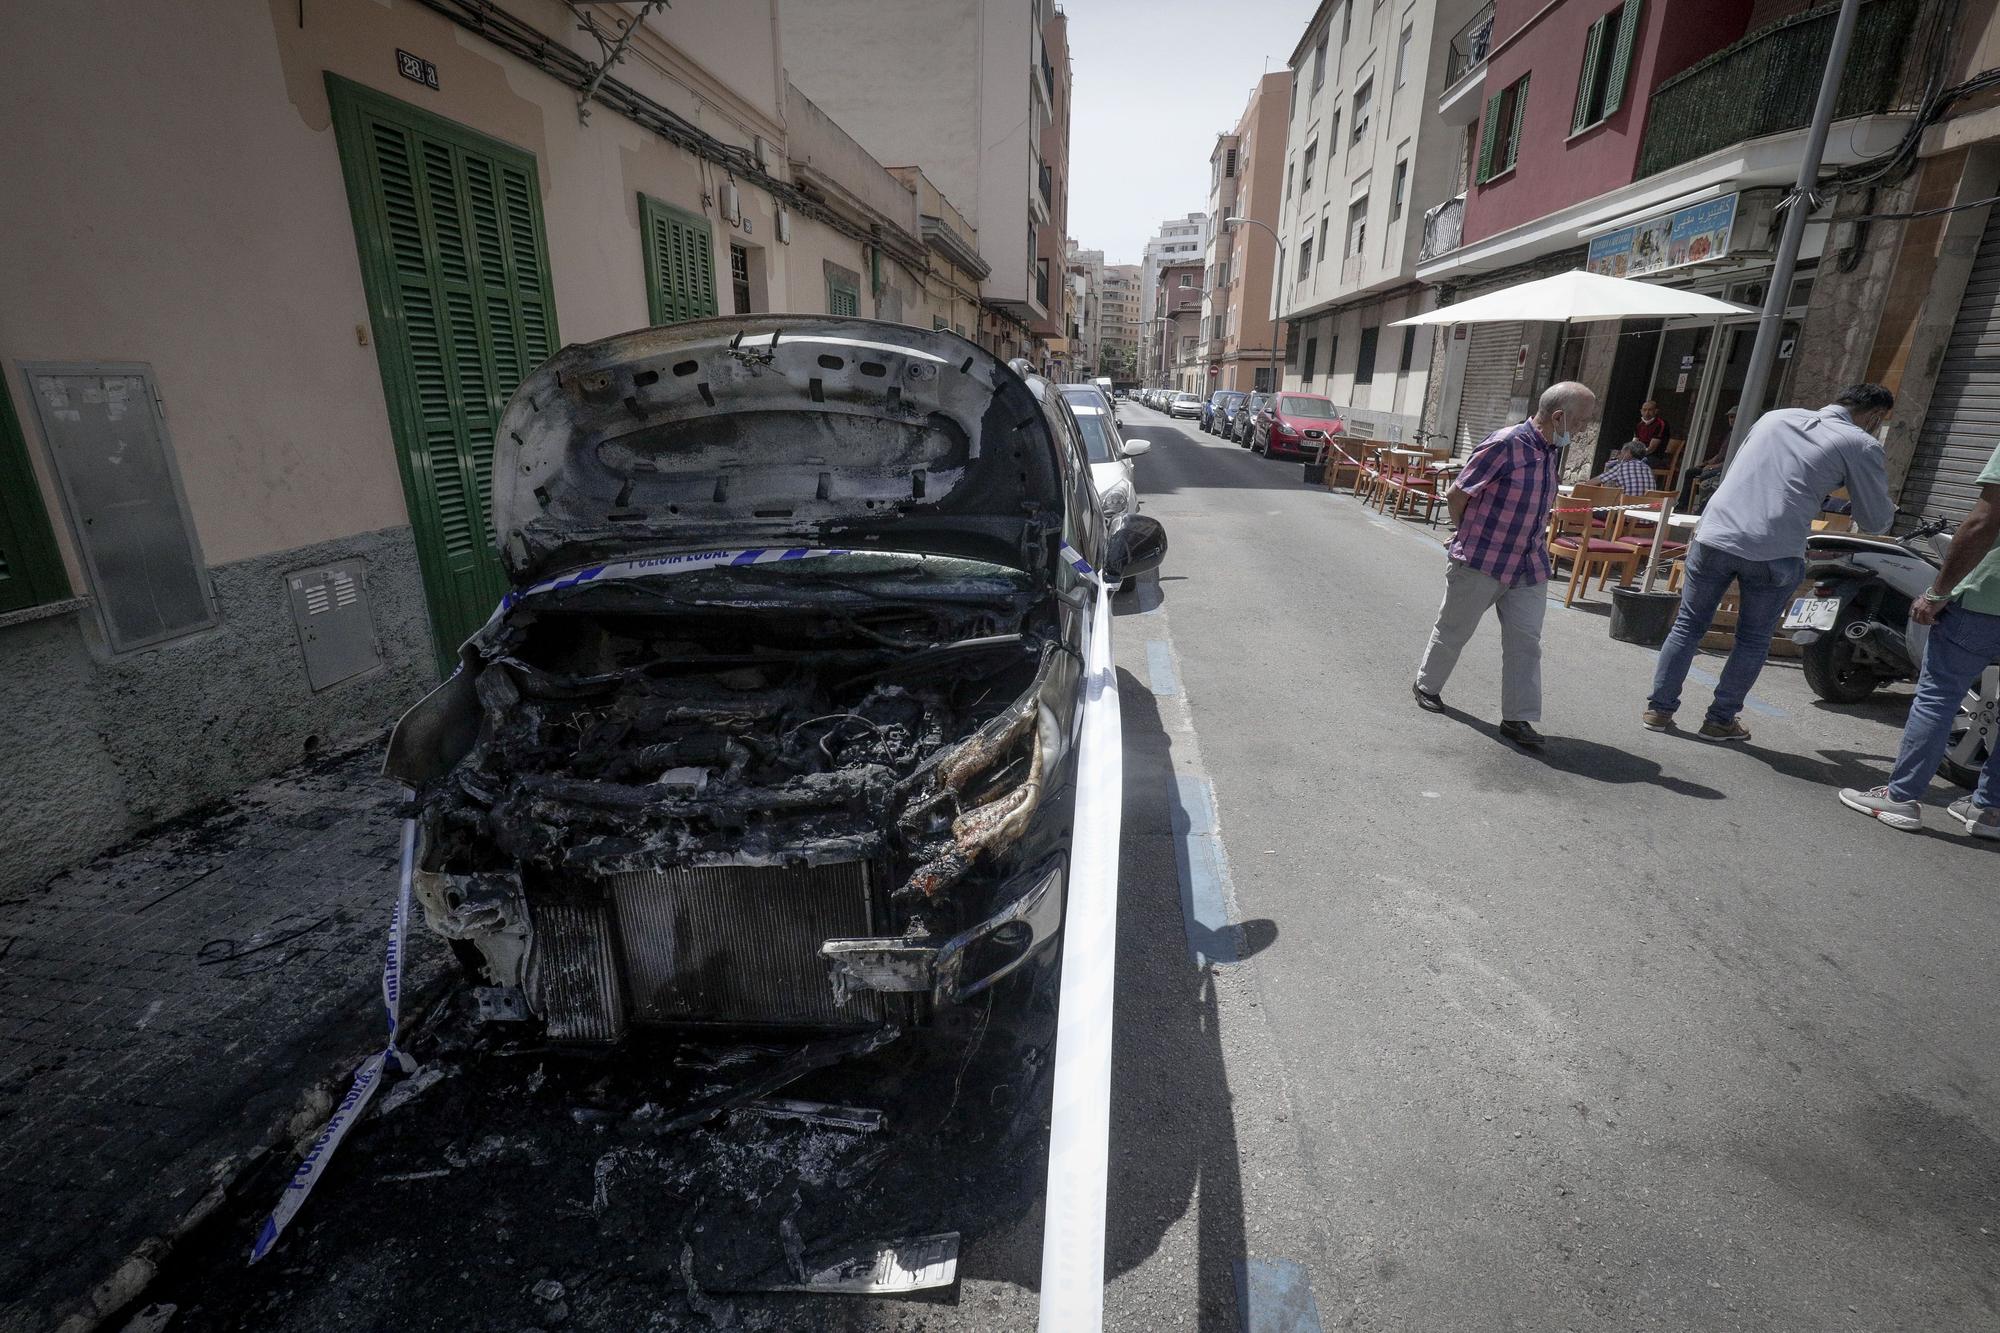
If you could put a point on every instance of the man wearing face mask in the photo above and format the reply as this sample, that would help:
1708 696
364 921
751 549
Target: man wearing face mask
1753 533
1500 557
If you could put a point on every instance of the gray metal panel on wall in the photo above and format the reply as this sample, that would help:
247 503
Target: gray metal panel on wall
1962 427
102 425
336 632
1489 382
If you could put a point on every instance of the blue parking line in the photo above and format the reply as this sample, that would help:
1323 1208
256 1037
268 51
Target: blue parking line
1752 702
1161 677
1198 858
1275 1296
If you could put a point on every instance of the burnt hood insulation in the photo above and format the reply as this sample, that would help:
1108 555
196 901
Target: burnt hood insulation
776 429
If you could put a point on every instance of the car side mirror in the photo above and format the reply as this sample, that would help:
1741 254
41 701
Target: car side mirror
1135 447
1137 548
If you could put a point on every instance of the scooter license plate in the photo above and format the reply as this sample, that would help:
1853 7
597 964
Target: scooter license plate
1813 613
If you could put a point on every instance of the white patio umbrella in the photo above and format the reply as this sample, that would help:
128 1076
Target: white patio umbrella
1578 297
1575 297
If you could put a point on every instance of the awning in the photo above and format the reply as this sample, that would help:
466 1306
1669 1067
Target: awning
1576 296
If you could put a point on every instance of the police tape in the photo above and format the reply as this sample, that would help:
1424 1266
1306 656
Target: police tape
1072 1295
367 1079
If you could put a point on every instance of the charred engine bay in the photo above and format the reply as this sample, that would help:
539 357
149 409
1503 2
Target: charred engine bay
910 735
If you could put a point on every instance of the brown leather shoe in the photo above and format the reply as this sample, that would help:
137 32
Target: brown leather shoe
1732 730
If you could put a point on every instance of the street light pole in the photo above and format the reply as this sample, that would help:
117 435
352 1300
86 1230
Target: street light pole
1771 323
1276 245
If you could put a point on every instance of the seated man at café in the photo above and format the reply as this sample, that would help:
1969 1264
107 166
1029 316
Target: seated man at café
1629 471
1652 432
1701 481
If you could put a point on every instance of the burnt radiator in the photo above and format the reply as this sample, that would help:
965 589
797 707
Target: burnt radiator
573 972
740 944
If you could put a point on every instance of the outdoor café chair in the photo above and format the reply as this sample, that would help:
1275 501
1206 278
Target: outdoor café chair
1572 538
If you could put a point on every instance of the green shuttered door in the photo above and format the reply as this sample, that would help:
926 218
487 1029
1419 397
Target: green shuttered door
680 263
449 227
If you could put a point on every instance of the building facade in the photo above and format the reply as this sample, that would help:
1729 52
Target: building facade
1178 339
1590 140
1118 323
981 103
1086 311
1245 173
1181 240
383 215
1367 154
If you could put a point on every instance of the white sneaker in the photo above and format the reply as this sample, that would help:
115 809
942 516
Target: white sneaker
1979 821
1906 815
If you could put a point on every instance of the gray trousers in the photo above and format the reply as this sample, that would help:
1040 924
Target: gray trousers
1467 596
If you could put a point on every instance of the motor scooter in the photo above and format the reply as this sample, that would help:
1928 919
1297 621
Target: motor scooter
1856 633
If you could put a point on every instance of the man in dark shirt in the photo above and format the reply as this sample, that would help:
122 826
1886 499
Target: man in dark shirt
1652 432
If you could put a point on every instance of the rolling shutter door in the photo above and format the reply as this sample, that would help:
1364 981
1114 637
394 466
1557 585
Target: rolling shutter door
1489 382
1962 427
450 232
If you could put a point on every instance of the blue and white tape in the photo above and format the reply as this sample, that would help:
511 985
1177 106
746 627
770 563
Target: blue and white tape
366 1079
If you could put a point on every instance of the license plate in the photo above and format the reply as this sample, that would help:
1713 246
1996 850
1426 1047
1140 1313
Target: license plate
1813 613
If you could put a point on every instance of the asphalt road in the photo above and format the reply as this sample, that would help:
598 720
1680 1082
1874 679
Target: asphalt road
1639 1032
1413 1031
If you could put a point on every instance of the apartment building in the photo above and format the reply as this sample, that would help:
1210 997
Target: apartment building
1245 173
1178 337
1118 323
1590 139
1367 155
1086 314
1181 240
305 294
976 93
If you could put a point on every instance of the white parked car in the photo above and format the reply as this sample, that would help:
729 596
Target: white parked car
1110 454
1184 405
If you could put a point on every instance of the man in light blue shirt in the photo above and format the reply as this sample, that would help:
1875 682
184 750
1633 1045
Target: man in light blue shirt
1754 532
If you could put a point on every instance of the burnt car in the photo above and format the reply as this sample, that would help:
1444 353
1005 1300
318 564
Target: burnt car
777 728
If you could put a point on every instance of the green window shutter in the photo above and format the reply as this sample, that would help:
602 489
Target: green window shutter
842 299
680 263
1520 115
1593 51
1486 130
1621 58
31 571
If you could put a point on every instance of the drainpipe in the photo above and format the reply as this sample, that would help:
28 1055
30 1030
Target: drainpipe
1771 323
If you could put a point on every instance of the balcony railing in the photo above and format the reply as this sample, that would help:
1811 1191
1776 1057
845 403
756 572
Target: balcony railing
1042 285
1469 47
1766 83
1444 229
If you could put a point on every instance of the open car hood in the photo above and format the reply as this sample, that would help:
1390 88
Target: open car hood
804 430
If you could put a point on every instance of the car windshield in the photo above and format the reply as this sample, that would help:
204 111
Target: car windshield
1096 439
1083 395
1313 409
1186 398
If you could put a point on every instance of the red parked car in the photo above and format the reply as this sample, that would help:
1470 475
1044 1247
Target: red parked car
1299 424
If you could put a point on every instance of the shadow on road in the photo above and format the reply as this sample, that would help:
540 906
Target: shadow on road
1589 759
1173 1131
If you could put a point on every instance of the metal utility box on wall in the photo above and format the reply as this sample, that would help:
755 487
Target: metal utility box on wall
336 632
123 497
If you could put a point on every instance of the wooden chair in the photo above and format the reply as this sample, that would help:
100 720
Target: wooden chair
1573 538
1664 473
1370 475
1413 483
1344 456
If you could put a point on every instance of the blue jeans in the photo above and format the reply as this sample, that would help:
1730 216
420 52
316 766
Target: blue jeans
1962 643
1764 589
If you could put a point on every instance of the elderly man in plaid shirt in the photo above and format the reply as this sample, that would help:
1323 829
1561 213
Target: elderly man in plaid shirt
1631 474
1500 557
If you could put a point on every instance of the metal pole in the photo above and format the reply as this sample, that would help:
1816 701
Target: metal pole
1771 324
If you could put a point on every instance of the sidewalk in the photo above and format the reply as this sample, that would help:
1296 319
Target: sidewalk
164 1009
